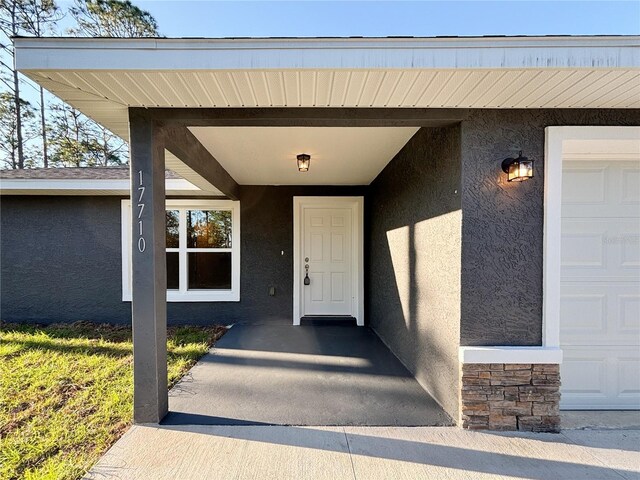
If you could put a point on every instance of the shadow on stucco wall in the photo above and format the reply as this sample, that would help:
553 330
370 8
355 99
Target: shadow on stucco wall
414 251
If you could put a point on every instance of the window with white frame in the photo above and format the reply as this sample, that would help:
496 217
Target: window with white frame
203 250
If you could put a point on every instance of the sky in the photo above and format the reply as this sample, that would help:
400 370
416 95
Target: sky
212 18
385 18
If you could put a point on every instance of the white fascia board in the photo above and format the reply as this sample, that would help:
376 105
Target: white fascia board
510 355
69 186
59 54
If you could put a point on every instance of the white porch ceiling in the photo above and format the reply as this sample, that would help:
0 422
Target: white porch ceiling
339 156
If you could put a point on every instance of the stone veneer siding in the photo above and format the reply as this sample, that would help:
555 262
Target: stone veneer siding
499 396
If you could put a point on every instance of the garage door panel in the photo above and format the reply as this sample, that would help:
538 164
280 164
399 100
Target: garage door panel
583 183
574 381
582 248
629 313
583 313
600 284
598 248
600 313
630 251
604 189
630 191
628 377
600 377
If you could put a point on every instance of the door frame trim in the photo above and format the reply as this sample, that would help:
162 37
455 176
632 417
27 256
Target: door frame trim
553 156
356 204
555 137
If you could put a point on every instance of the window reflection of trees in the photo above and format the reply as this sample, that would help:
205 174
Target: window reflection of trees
209 229
173 230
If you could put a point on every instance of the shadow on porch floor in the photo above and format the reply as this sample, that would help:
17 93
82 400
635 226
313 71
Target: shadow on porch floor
308 375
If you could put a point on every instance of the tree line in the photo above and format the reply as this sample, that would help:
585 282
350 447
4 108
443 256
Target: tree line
36 129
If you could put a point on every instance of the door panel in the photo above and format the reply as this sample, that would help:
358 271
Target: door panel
316 287
337 247
337 287
600 313
600 189
595 249
327 243
600 377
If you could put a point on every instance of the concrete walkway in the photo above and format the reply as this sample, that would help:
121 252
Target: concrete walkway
308 375
600 419
368 453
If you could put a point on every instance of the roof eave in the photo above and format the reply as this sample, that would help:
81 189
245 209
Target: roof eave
164 54
118 187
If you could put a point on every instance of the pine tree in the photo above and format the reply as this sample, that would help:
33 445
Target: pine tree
112 18
77 141
10 141
39 17
10 26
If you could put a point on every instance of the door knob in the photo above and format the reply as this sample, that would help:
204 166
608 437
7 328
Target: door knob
307 280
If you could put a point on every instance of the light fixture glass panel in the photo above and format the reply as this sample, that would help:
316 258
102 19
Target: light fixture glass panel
526 169
513 171
304 162
520 171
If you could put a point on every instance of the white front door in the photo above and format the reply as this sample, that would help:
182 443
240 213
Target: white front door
600 284
328 257
327 261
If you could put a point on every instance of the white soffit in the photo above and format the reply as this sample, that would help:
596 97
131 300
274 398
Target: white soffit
339 155
102 77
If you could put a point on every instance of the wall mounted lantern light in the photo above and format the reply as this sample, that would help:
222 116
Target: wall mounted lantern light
303 162
518 169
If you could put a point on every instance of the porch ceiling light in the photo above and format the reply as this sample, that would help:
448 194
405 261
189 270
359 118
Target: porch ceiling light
303 162
518 169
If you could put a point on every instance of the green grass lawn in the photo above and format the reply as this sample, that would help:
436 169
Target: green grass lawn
66 392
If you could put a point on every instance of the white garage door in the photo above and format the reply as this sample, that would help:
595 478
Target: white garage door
600 284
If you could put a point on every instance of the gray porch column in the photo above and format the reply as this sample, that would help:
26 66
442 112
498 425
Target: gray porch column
149 276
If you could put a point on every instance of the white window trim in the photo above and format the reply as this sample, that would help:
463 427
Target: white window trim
184 295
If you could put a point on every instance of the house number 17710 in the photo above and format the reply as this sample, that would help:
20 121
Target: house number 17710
142 243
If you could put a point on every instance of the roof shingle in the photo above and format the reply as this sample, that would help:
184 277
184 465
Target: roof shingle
74 173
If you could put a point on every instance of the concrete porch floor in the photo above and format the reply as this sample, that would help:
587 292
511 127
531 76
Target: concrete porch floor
327 374
371 453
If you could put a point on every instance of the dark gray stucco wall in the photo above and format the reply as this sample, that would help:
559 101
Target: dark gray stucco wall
414 257
60 259
502 229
